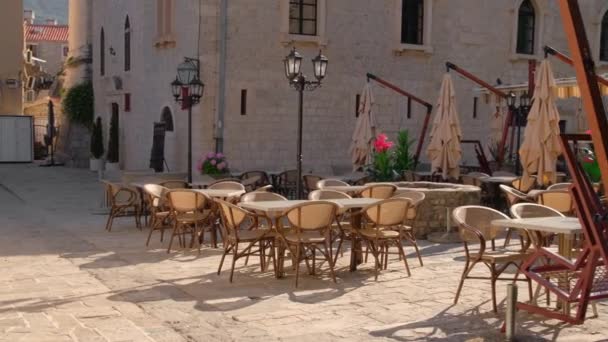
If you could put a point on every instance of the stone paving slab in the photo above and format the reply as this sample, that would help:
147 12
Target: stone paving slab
65 279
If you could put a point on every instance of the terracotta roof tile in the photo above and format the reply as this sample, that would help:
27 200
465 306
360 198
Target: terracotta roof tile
46 33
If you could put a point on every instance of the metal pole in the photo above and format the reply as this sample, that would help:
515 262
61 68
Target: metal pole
511 311
189 99
301 85
518 168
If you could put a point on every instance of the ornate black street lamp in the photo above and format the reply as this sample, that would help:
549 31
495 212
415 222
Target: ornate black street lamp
292 64
520 117
188 90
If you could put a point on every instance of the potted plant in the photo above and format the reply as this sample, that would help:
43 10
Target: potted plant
214 165
382 166
112 156
403 160
96 161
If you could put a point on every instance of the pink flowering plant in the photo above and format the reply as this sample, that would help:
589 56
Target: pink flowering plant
382 167
212 164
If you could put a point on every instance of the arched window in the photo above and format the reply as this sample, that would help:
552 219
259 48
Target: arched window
526 28
604 39
127 45
102 53
167 119
412 22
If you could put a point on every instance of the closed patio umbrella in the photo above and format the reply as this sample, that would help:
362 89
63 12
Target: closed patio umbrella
444 149
365 130
541 147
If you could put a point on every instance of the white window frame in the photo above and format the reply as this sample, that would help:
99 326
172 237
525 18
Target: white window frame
427 29
539 28
37 48
320 39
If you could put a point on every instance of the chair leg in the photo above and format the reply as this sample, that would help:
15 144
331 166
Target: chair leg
508 237
328 257
465 272
110 219
493 281
297 260
226 251
410 237
175 231
407 267
151 231
234 257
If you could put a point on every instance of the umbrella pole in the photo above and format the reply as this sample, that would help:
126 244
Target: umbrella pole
299 164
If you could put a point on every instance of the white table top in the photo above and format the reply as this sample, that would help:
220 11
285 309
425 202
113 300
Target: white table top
220 193
556 225
278 207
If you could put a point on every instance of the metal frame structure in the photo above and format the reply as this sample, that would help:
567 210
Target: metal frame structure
586 279
498 92
429 111
564 58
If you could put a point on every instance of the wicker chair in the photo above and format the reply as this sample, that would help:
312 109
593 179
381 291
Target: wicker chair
513 197
407 230
226 185
122 200
261 178
239 226
559 200
189 214
530 210
265 188
475 228
310 183
287 182
175 184
379 235
524 184
330 182
311 224
378 191
159 211
342 228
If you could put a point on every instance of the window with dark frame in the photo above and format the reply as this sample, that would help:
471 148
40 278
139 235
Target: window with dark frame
243 101
412 22
357 100
102 53
526 21
409 107
303 17
475 101
127 45
604 39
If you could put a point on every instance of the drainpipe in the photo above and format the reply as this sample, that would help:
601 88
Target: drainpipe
221 97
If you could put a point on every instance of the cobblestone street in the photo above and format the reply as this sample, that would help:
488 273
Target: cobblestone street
66 279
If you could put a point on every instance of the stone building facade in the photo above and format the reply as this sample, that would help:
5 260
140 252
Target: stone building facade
248 109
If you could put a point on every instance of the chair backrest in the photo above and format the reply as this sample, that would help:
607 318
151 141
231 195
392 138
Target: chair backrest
261 196
265 188
330 182
503 174
118 193
559 200
310 182
559 186
325 194
478 218
232 218
410 176
289 177
524 184
389 212
312 215
156 193
226 185
531 210
379 191
175 184
415 196
186 200
262 178
469 180
513 196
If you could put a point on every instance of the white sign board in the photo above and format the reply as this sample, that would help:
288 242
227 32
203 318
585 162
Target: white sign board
16 139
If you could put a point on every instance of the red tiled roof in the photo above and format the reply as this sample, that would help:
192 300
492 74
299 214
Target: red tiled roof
46 33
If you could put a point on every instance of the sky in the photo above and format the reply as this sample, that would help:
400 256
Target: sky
43 9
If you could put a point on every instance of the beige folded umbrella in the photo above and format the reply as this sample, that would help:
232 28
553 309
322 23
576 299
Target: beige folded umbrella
541 146
444 149
497 120
365 131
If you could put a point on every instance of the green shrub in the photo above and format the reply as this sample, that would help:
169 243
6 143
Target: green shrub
97 140
112 156
403 160
78 104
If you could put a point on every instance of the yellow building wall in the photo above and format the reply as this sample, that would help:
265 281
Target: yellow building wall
11 56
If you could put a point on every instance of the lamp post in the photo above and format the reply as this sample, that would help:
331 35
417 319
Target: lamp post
520 114
187 89
298 81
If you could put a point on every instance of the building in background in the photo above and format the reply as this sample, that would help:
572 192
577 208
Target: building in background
248 109
48 41
11 57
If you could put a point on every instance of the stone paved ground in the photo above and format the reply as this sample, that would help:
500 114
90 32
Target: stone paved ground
63 278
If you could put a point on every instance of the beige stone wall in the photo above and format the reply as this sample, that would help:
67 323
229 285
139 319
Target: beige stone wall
52 53
359 36
11 56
